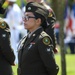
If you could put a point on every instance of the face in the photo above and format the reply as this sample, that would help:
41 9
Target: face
30 23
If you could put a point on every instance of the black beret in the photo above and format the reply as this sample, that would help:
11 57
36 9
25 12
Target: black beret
37 8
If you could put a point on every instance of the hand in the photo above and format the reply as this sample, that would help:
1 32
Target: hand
13 64
55 50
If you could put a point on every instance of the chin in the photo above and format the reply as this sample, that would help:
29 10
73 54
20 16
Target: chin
26 28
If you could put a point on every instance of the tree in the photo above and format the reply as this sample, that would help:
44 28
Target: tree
58 7
54 4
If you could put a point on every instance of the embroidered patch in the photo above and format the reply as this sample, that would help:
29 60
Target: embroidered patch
2 25
46 40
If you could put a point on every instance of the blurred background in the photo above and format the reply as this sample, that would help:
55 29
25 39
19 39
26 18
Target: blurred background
64 30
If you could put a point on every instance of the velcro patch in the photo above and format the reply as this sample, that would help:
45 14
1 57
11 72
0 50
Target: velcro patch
2 25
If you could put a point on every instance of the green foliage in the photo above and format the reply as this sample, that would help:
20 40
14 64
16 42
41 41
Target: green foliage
70 2
14 70
20 1
70 67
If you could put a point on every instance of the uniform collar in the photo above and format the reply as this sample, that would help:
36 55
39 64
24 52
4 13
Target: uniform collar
35 34
30 33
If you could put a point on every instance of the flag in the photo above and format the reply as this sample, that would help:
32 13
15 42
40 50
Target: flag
68 17
73 18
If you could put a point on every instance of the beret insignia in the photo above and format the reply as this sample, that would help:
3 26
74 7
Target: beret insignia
37 8
29 8
46 40
50 15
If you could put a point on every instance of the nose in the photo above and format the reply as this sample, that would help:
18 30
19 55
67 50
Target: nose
24 20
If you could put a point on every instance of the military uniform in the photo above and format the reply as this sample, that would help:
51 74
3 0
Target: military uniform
35 54
6 53
49 29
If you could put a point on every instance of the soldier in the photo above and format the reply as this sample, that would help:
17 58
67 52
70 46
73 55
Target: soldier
49 28
6 53
35 51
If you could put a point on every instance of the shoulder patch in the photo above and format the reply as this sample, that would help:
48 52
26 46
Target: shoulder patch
2 25
46 40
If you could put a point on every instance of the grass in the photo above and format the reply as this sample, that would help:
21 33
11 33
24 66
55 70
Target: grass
14 69
70 64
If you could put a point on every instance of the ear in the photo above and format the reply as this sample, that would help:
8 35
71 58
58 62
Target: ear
38 21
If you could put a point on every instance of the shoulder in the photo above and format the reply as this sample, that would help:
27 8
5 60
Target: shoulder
44 34
45 38
4 26
47 6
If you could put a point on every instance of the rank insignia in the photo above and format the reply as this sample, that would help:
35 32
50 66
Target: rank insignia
48 50
4 35
50 15
2 25
46 40
30 46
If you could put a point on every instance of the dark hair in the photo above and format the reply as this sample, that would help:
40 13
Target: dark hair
39 16
43 20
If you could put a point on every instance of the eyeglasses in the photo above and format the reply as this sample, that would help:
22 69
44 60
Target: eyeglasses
27 17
